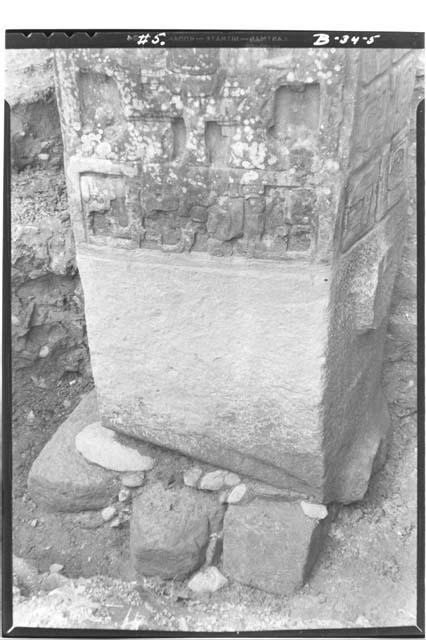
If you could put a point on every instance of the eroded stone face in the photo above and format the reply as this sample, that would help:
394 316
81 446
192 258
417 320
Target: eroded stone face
279 178
225 158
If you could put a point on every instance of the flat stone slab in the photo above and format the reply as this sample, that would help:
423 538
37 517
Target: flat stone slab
60 478
271 544
170 528
100 446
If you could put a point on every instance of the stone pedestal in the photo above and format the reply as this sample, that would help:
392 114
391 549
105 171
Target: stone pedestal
239 217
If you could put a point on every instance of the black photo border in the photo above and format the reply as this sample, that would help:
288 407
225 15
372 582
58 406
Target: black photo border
105 38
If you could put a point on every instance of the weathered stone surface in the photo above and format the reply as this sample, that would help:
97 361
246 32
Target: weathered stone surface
232 387
60 478
169 530
258 348
271 545
207 581
100 446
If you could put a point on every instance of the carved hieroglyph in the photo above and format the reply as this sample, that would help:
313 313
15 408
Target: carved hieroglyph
239 216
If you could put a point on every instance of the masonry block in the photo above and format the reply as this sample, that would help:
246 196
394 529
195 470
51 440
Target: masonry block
271 544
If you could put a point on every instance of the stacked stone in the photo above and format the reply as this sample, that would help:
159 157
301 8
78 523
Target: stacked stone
211 525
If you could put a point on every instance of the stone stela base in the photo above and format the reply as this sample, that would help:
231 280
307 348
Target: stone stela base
239 216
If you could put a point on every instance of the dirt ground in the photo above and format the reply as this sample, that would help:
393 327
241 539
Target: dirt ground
365 576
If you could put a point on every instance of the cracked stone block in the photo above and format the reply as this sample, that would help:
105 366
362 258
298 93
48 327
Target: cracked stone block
60 478
271 544
170 529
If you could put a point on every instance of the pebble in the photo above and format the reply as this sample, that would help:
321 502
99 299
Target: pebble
208 580
67 403
236 494
192 476
44 352
212 481
231 479
31 416
108 513
115 523
52 581
56 568
133 480
357 514
124 494
34 522
15 320
315 511
100 446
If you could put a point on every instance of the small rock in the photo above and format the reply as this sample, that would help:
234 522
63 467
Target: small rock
56 568
124 494
208 580
67 403
44 352
31 416
357 514
100 446
108 513
52 581
115 523
231 479
133 480
192 476
25 574
236 494
213 481
34 522
39 382
315 511
44 157
15 320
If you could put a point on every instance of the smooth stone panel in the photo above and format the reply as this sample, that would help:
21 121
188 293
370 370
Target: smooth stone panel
221 359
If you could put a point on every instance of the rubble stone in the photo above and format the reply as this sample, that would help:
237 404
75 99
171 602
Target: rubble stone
60 479
271 544
169 530
207 580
